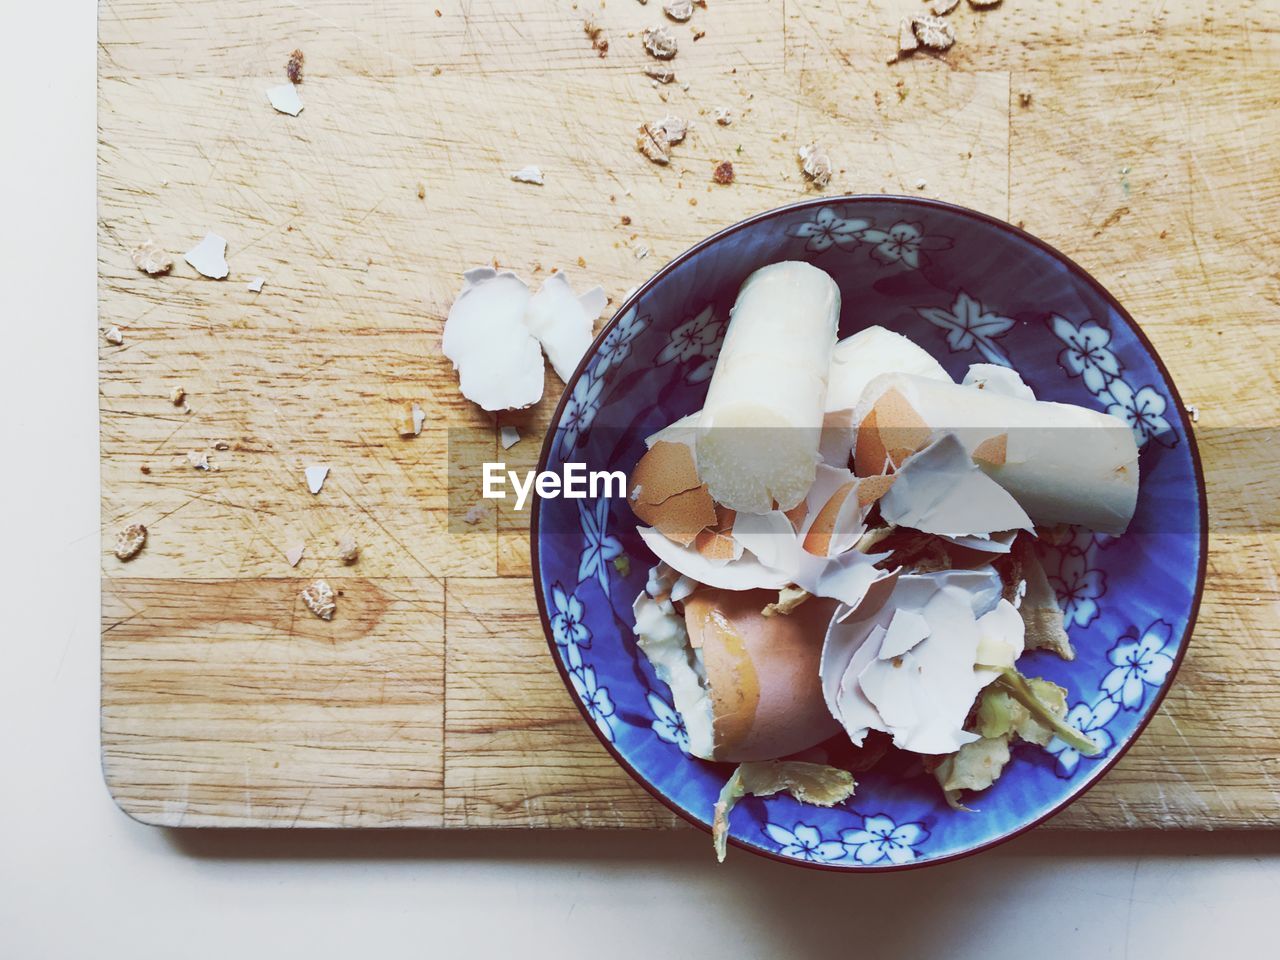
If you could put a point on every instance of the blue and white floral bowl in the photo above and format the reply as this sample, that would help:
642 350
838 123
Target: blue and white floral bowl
968 288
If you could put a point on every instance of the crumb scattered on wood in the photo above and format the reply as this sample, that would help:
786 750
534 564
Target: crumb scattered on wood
940 8
660 42
130 541
409 423
255 285
475 515
678 10
1024 98
596 33
294 554
198 459
348 550
318 596
723 172
657 137
921 183
221 445
933 32
724 116
659 72
293 69
150 259
1193 412
699 35
508 436
177 395
114 336
815 163
146 471
422 191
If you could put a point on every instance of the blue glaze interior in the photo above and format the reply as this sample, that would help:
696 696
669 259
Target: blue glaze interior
904 264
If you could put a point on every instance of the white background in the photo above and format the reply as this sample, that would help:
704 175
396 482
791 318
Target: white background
79 879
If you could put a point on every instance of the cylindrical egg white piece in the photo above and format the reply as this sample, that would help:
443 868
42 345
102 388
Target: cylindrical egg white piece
1061 462
758 432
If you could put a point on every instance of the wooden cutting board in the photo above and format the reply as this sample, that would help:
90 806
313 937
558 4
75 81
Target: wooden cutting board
1141 141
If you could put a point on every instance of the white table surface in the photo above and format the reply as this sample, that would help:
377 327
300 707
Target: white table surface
80 879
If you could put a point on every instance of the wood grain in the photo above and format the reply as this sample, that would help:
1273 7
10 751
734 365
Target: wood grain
1147 152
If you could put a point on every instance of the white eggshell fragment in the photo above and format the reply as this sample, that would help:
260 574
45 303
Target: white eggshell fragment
285 99
940 490
498 361
745 573
759 429
209 257
529 174
562 322
316 474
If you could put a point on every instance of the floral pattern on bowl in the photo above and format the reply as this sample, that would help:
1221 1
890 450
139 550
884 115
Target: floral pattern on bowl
969 289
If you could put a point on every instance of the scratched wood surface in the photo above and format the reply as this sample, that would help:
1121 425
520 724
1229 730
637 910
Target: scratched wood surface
1148 151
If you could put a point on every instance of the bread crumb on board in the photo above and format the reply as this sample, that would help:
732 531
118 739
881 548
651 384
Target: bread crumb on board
319 599
130 541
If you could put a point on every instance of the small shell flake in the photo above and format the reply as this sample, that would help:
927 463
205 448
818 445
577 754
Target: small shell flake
319 598
933 32
679 10
660 42
150 259
815 164
130 541
658 136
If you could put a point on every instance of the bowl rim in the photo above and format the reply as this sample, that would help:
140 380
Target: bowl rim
1017 233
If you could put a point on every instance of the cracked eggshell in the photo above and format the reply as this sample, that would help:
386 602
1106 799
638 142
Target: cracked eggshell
561 321
940 490
667 494
499 362
923 693
1063 463
744 572
762 673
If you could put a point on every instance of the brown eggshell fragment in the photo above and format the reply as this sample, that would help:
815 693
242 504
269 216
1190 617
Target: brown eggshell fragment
680 518
762 672
871 489
665 470
717 542
869 455
797 515
992 450
818 540
902 430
